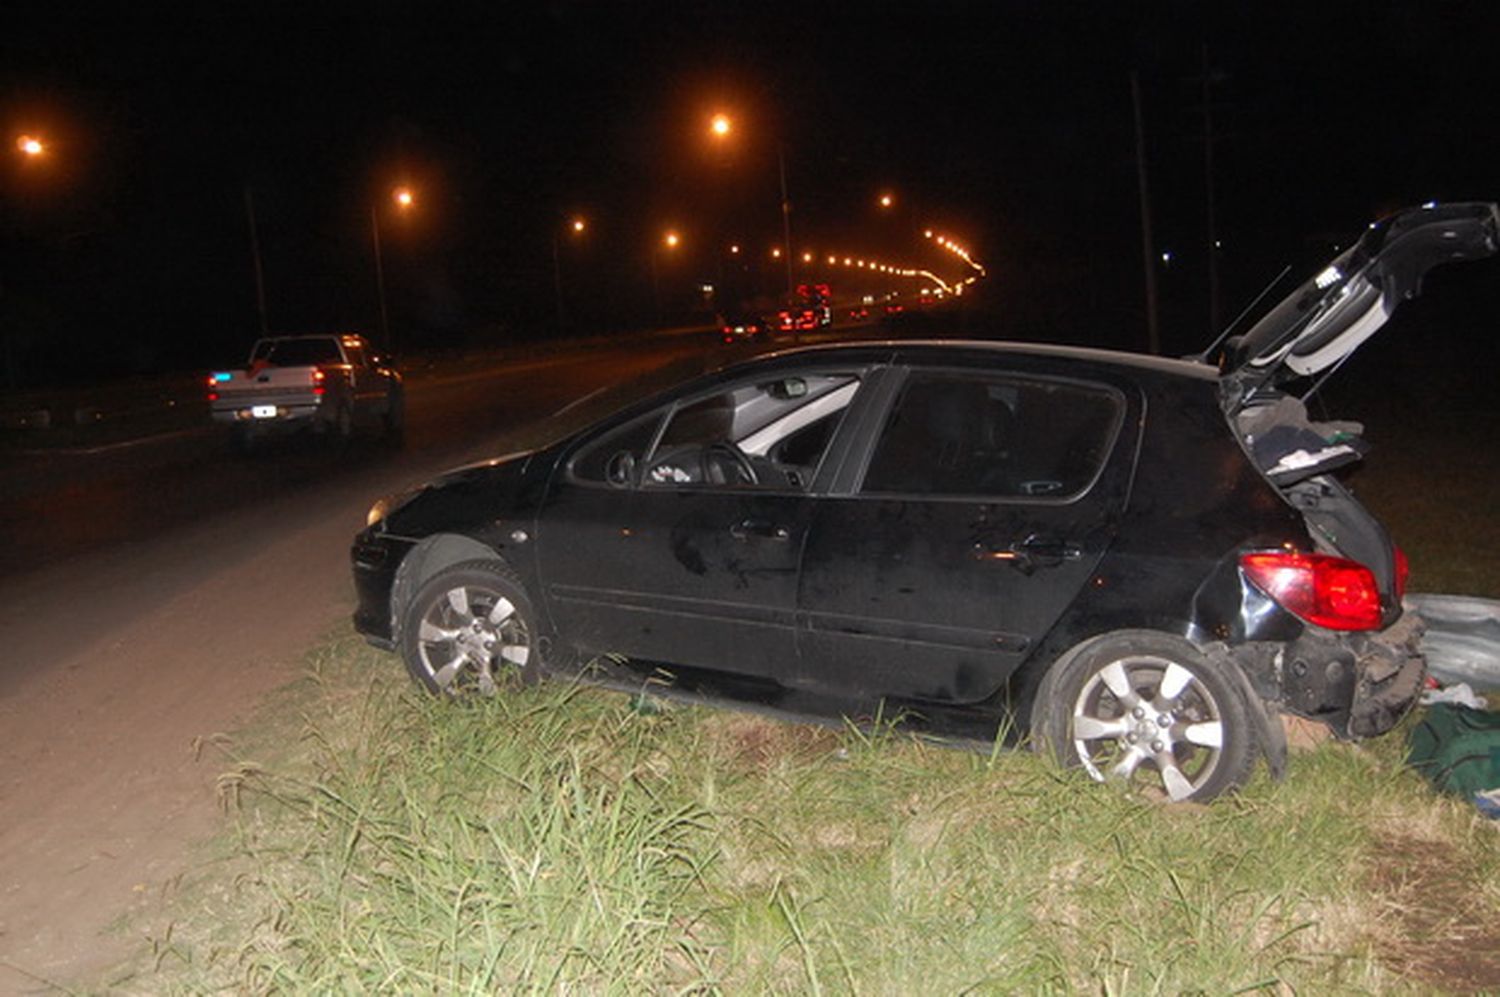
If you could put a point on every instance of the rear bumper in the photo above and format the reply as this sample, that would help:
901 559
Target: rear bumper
1360 684
289 412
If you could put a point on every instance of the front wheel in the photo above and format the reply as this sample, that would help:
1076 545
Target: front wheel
1147 709
468 628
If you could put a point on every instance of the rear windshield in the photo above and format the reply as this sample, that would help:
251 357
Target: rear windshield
299 352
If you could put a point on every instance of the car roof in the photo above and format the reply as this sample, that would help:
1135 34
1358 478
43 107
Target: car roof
936 348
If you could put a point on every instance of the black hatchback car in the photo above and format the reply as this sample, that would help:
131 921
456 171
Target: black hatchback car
1140 561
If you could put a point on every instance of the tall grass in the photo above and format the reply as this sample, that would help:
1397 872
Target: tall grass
563 839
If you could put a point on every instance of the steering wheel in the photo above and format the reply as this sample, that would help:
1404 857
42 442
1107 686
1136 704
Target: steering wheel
715 458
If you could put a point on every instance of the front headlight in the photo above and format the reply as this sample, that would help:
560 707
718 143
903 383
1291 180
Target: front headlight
387 504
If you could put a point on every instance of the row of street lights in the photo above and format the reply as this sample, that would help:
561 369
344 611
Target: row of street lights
403 199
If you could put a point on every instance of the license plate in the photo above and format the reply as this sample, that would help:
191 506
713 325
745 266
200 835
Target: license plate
263 411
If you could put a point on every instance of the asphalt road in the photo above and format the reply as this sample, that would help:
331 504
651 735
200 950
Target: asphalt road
150 595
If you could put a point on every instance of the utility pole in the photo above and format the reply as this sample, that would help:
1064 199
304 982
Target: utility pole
557 283
1214 305
786 219
260 279
385 325
1148 249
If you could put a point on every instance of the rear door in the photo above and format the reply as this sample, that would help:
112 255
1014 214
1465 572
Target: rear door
977 512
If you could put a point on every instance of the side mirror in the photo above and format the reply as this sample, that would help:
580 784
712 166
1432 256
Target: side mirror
620 471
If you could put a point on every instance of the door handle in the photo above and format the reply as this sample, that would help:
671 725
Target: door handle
1036 551
1042 549
758 528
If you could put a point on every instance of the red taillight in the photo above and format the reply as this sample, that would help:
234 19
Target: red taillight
1326 591
318 377
1403 572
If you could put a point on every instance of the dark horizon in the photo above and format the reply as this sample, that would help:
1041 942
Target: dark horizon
1010 127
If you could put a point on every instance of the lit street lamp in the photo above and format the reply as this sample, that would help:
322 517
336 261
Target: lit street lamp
576 226
670 241
720 126
30 145
404 199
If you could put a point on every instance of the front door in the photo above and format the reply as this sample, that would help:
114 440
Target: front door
677 538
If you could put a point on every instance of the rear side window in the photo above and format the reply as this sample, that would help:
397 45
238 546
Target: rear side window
994 437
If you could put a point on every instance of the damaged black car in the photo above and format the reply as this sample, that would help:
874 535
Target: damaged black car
1139 562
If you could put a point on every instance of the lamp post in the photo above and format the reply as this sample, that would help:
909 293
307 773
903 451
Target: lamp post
720 127
669 241
260 277
30 147
404 199
576 226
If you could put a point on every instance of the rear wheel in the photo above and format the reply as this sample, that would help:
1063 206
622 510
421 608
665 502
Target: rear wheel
1149 710
470 628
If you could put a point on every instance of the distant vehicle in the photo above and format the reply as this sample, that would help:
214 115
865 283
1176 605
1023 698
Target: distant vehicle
811 308
819 298
1141 562
739 328
328 383
798 319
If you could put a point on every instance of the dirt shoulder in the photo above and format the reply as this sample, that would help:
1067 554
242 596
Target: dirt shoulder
115 674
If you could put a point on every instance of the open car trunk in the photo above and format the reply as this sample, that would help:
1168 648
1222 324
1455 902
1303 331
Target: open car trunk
1298 456
1308 335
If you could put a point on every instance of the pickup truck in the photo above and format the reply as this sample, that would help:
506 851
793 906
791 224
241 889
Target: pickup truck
330 383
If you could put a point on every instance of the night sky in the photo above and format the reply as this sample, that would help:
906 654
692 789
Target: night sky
1007 126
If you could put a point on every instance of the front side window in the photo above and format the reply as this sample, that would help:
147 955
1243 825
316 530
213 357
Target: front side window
766 434
612 459
993 436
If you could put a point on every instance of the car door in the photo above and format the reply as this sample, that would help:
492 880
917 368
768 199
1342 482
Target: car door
692 556
983 504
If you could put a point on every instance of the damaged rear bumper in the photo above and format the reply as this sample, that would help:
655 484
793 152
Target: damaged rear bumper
1360 684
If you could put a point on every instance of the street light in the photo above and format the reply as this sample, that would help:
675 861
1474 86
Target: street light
670 240
30 145
720 126
576 226
404 199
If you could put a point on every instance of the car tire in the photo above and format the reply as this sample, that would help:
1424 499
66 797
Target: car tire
470 629
1147 709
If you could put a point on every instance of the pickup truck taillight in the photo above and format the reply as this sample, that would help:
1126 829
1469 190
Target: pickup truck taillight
318 379
1326 591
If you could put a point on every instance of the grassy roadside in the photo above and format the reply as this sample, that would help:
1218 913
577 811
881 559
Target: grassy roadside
561 838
